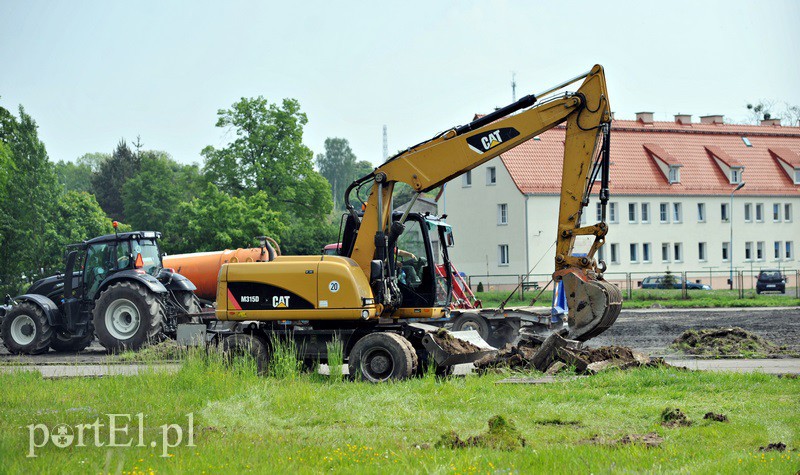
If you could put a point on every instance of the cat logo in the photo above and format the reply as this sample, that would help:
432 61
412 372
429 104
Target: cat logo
280 301
486 141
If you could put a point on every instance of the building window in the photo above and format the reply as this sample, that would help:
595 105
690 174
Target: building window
724 212
466 179
634 253
777 248
760 250
736 176
748 251
674 175
664 252
503 251
748 212
759 212
776 212
645 212
491 175
646 252
701 212
663 212
789 253
797 176
787 212
615 253
632 212
746 142
725 253
612 213
502 214
701 251
677 214
677 252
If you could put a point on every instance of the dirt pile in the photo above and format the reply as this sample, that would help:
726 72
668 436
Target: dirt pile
649 440
776 446
451 344
716 417
501 435
718 342
674 417
556 354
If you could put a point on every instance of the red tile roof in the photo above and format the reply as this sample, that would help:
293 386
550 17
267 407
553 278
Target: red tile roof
785 155
535 166
662 154
723 156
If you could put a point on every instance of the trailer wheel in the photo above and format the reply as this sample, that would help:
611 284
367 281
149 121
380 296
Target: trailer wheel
71 344
475 322
241 345
26 330
127 316
380 357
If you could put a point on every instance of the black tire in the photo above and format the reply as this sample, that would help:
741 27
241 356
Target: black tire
475 322
71 344
26 330
187 302
127 316
242 344
382 356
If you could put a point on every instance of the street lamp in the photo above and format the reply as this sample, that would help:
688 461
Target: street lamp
730 246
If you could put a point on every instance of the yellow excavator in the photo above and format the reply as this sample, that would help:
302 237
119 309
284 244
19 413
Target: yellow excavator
381 295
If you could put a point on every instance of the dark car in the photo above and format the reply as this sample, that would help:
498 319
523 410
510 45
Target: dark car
771 280
658 282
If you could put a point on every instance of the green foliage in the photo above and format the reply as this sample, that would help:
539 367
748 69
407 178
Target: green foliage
668 281
74 176
112 175
335 353
216 220
78 217
284 358
268 155
153 195
480 287
338 166
306 237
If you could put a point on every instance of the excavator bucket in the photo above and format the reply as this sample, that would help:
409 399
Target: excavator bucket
450 348
594 305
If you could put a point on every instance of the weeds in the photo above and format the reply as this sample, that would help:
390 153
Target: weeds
335 351
285 361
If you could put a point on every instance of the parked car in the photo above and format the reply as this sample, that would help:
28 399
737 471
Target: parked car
771 280
657 282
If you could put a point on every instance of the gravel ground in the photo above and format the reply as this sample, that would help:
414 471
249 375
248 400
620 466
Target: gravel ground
649 331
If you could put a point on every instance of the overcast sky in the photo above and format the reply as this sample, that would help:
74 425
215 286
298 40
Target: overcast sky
91 73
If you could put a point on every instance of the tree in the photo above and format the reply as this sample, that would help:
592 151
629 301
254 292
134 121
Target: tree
74 176
112 175
767 109
93 160
338 166
362 168
31 192
268 155
216 220
152 196
77 217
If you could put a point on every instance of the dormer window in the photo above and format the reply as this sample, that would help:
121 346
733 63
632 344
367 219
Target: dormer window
669 165
736 175
789 161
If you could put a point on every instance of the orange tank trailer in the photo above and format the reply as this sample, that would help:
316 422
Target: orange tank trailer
202 268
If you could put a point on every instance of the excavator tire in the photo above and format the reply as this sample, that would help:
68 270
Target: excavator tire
26 330
382 356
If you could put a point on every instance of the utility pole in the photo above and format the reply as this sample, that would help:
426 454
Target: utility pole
385 144
513 87
730 246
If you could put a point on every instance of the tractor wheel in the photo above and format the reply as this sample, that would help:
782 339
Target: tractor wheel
187 302
475 322
241 345
26 330
127 316
380 357
71 344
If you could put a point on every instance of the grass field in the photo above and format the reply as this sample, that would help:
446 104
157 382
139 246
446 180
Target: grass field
646 298
306 423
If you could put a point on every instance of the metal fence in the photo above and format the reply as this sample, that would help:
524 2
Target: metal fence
741 283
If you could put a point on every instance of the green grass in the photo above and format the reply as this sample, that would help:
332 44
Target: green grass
647 298
246 423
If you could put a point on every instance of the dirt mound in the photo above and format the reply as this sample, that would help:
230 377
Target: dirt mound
453 345
650 439
716 417
501 435
674 417
726 342
776 446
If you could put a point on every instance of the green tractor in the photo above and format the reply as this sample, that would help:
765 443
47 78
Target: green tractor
113 287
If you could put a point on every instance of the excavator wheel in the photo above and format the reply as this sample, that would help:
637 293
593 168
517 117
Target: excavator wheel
594 306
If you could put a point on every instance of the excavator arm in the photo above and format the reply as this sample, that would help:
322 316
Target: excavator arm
594 304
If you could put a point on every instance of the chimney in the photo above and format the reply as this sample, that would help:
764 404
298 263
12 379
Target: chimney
644 117
683 119
711 119
773 122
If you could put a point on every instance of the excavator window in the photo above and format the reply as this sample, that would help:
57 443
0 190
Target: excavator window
413 267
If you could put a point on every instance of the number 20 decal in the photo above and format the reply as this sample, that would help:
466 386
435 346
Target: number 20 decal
333 286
